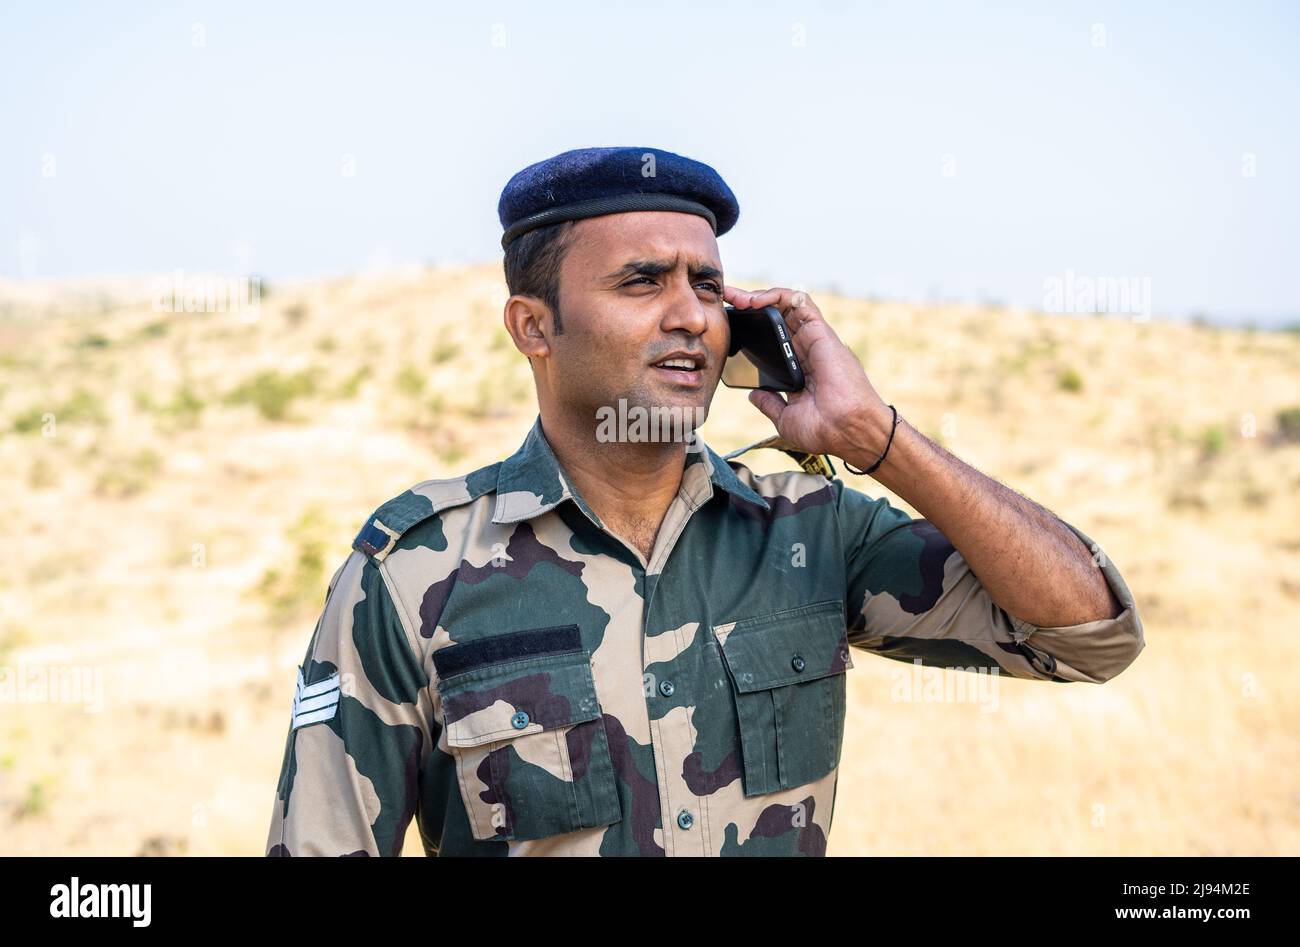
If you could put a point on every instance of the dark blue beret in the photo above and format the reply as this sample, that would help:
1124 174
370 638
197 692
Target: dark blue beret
589 182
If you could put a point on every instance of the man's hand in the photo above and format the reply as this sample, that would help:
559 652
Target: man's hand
838 412
1033 564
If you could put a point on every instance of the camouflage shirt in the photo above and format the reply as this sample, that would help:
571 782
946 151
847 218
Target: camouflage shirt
495 663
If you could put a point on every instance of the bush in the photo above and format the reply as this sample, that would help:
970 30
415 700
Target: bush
296 313
1069 380
34 803
352 385
444 352
30 420
129 475
184 409
272 392
10 639
1288 425
1213 440
410 381
295 589
81 407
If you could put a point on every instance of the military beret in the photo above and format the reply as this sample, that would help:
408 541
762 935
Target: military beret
590 182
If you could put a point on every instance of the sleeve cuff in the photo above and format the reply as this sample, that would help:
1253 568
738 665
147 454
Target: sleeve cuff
1092 651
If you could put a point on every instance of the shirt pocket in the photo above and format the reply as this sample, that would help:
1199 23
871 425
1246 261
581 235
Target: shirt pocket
526 730
787 675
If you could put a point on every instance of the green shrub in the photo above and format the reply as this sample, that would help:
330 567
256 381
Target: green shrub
1288 424
410 381
184 409
299 586
129 475
34 803
352 385
15 636
272 392
30 420
1069 380
82 406
1213 440
488 400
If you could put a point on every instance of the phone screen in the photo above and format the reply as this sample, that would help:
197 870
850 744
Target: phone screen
761 355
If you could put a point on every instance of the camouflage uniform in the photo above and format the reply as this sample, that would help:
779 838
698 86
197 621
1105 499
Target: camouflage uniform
496 664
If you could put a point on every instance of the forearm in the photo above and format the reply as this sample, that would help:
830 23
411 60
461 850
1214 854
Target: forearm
1031 563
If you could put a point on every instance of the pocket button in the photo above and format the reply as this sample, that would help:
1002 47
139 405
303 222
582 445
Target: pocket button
797 663
519 720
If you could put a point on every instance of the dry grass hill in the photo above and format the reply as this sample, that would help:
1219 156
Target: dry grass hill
180 486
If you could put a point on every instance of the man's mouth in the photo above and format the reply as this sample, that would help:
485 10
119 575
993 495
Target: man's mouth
684 368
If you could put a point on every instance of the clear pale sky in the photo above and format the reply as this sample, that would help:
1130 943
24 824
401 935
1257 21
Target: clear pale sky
902 150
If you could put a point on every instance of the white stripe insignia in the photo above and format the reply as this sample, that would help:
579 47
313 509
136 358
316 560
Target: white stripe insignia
313 703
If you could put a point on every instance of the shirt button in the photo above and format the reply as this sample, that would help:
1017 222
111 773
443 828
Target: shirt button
666 688
519 720
685 819
797 663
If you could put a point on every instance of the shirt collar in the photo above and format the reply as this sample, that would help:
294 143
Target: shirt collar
531 480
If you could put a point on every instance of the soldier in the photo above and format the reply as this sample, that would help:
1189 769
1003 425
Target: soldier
639 647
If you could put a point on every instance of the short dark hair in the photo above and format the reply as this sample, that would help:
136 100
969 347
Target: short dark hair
532 265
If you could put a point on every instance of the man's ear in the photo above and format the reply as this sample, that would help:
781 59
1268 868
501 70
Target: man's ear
527 319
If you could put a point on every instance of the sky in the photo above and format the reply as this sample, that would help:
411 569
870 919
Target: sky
900 150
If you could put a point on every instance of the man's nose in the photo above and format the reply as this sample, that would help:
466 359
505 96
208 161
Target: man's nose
685 310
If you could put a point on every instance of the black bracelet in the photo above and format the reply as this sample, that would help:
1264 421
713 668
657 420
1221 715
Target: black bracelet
851 469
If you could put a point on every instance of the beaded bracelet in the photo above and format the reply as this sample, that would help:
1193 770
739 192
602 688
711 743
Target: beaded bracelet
851 469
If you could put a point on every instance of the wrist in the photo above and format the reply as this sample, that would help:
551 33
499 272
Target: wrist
868 435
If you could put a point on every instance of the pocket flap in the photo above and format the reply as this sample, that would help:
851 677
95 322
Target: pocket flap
512 696
786 647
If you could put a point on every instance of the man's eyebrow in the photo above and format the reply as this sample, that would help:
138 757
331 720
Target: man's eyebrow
660 267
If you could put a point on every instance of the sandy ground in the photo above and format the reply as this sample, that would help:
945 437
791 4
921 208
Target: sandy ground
176 520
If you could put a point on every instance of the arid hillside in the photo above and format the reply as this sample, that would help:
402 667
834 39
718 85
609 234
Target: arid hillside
180 486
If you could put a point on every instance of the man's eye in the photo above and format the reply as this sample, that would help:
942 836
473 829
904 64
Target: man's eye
713 287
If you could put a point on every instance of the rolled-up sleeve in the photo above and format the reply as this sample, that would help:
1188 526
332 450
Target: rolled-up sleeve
911 596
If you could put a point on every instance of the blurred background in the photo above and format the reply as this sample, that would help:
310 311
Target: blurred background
251 287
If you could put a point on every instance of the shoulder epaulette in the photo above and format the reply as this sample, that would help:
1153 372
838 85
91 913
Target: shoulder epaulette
811 463
384 527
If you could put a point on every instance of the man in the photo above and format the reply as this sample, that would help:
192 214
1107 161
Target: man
637 647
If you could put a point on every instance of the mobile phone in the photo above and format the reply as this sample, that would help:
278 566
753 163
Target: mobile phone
761 355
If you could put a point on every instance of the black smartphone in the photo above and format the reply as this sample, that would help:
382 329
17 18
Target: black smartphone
761 355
